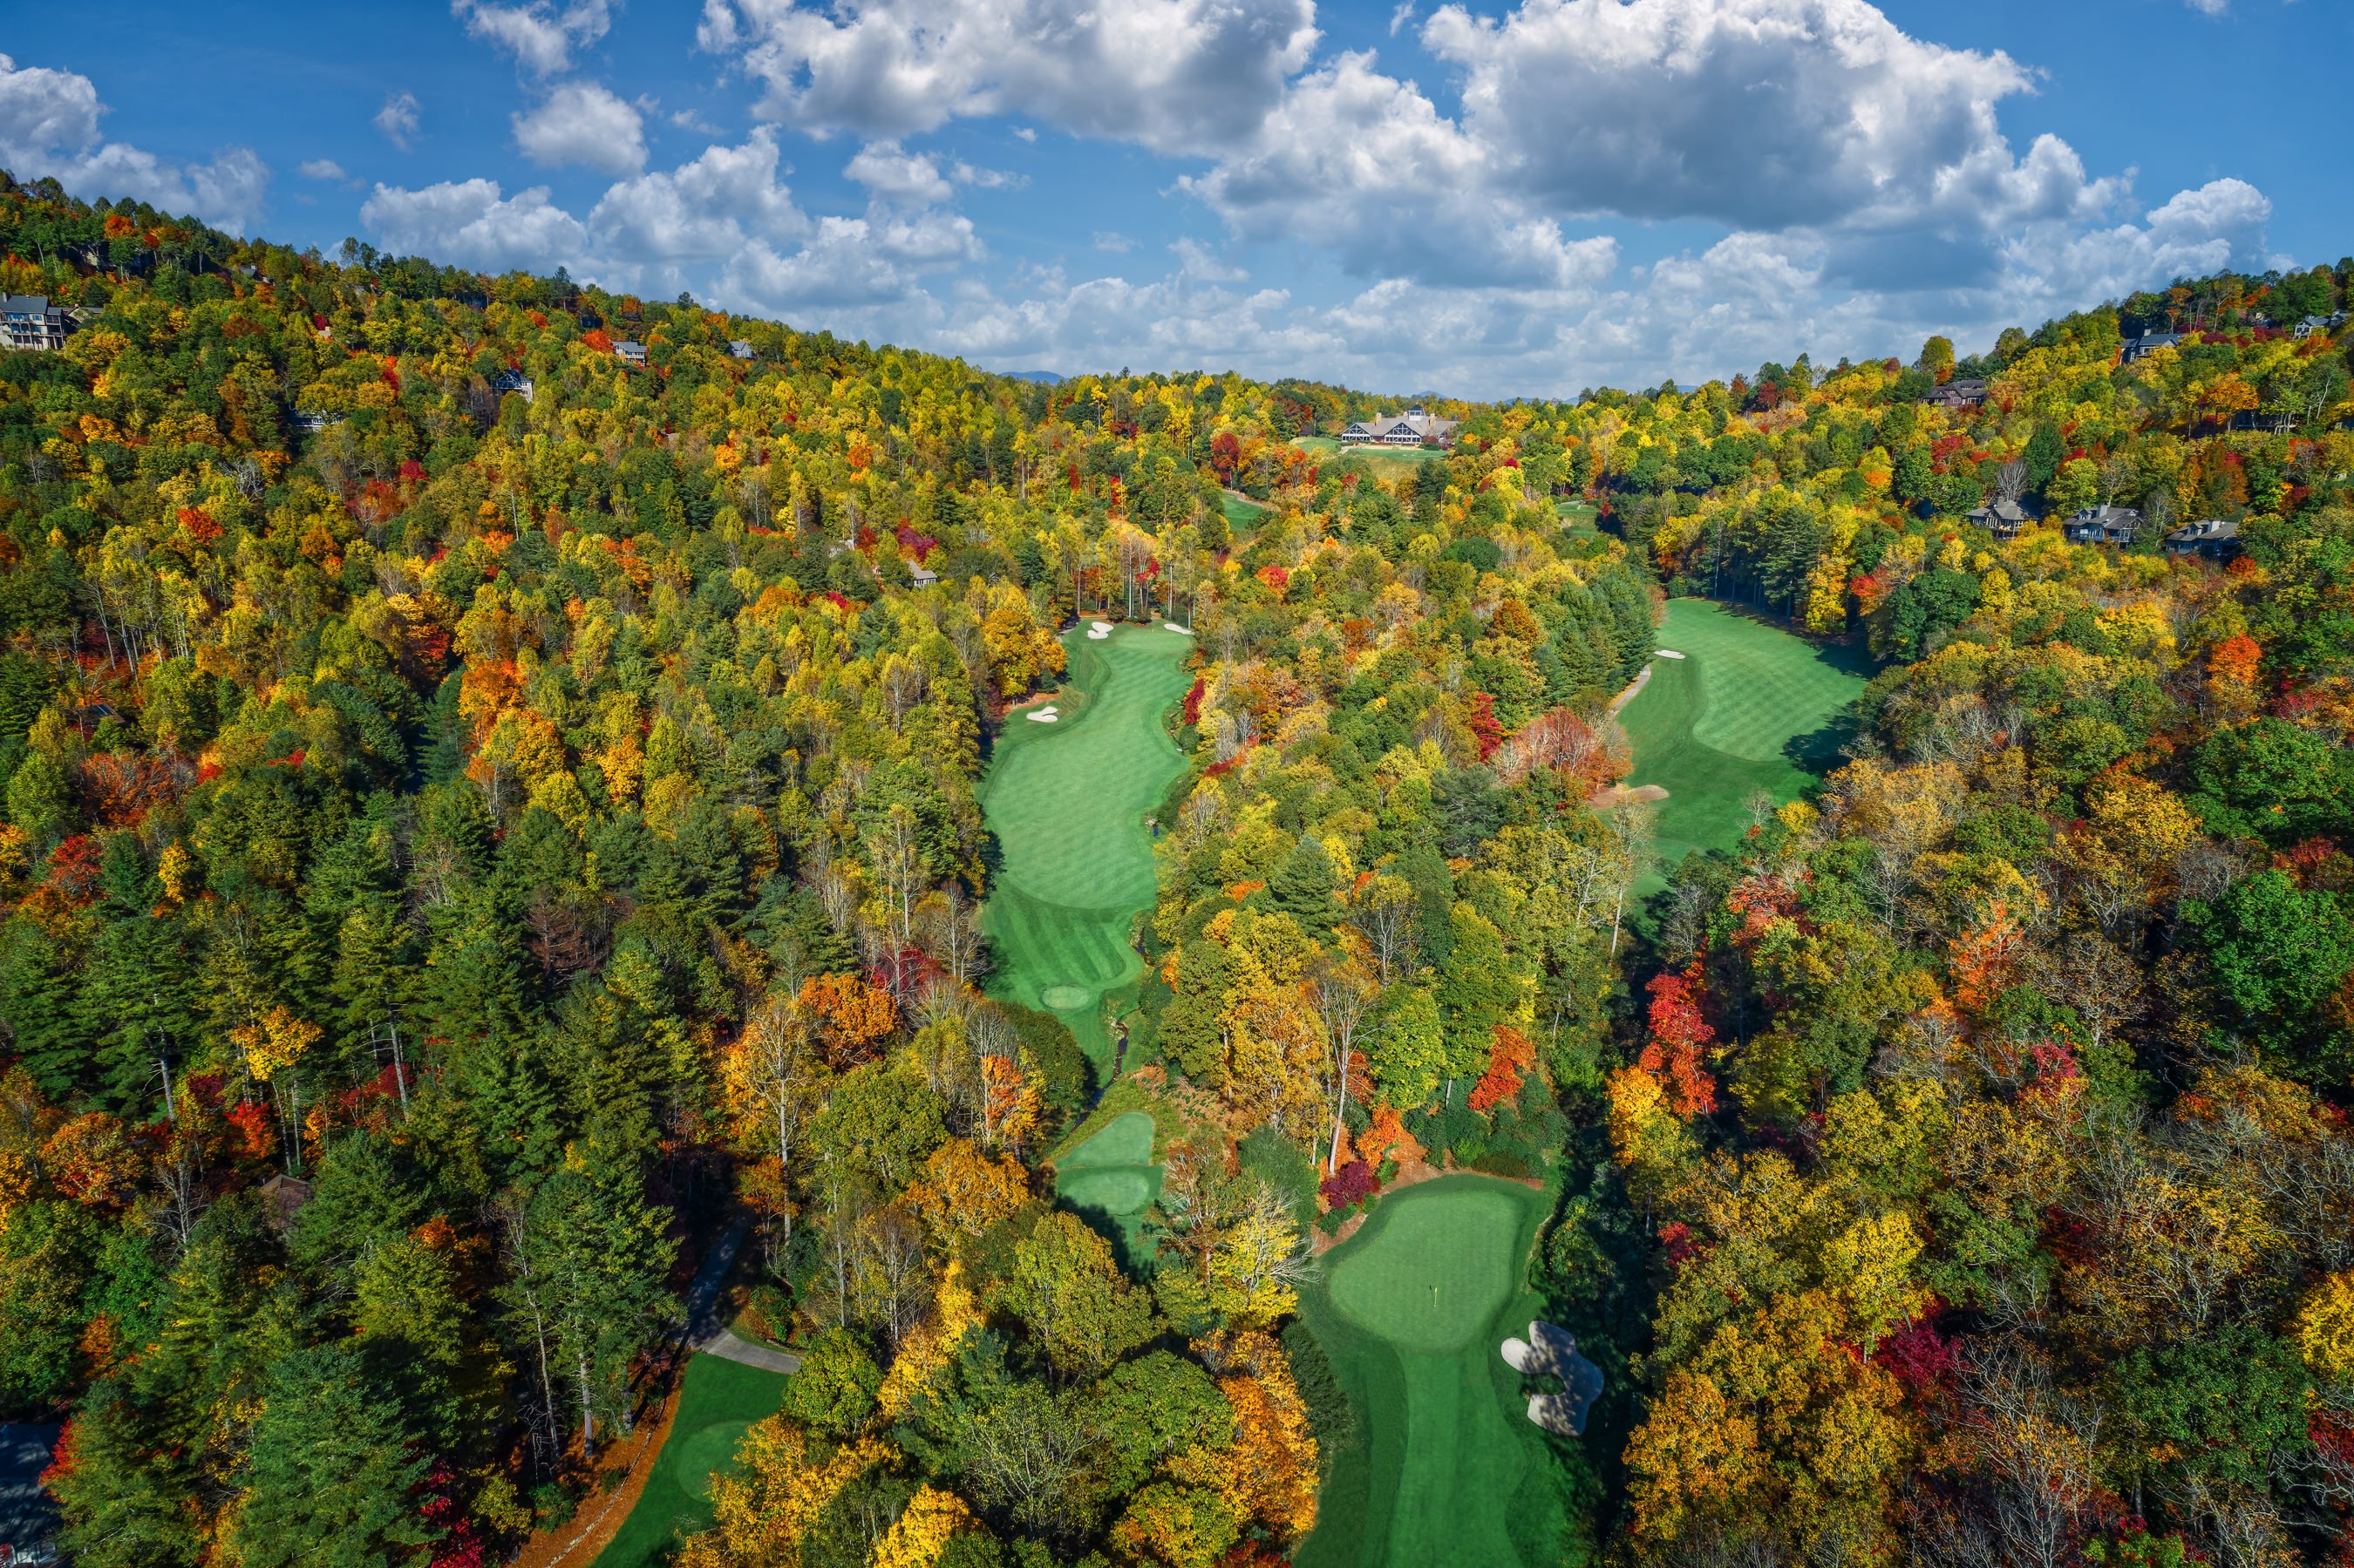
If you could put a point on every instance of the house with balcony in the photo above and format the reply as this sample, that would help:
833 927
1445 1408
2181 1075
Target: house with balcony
2104 525
2003 519
2211 537
30 322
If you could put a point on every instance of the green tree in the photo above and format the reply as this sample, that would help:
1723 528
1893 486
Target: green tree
1408 1054
833 1392
591 1257
2277 951
1302 887
331 1470
1068 1290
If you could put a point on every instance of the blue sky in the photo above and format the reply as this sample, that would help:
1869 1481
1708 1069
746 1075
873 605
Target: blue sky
1488 199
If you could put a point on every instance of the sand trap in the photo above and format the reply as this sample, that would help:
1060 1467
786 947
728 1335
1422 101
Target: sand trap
1066 997
1628 795
1100 626
1042 716
1172 626
1669 653
1100 636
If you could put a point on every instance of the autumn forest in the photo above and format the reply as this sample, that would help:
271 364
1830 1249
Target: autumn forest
505 797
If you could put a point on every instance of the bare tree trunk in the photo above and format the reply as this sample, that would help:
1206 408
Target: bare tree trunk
588 1415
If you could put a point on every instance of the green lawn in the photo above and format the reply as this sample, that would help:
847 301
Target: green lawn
1413 1311
1383 462
717 1404
1243 515
1114 1175
1067 801
1748 708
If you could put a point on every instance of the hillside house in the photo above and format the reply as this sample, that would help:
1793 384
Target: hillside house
30 322
2003 519
631 352
1415 427
2211 538
738 348
2314 326
2104 525
2148 343
1967 393
514 381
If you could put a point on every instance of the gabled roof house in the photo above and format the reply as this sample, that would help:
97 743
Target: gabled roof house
2003 519
1415 427
2104 525
2211 538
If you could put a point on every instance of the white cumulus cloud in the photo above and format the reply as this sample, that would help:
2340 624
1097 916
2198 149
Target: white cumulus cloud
584 123
894 176
48 126
470 223
398 119
541 37
1174 75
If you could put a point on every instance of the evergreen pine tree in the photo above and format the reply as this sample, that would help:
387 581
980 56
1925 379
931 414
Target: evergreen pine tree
1302 887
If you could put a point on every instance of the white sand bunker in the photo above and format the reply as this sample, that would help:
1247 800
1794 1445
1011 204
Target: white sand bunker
1172 626
1099 625
1093 636
1043 716
1669 653
1551 1353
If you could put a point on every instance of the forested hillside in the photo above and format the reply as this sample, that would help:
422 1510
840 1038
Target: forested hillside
481 811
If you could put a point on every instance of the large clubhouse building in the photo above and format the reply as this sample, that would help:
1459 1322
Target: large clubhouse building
1412 428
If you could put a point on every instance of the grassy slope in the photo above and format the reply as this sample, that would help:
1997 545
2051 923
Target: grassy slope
718 1401
1383 462
1748 708
1447 1467
1067 801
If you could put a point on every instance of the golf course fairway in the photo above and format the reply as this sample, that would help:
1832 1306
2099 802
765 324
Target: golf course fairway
718 1401
1748 708
1067 801
1412 1311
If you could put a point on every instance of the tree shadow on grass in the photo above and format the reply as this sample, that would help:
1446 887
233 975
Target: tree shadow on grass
1820 750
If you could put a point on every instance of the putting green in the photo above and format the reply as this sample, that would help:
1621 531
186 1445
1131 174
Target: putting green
1113 1173
718 1401
1748 708
1067 802
1439 1273
1411 1311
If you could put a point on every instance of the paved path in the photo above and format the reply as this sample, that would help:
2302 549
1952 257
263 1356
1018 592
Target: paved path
704 1328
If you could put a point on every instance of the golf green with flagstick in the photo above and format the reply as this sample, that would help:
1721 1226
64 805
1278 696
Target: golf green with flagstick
1413 1311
